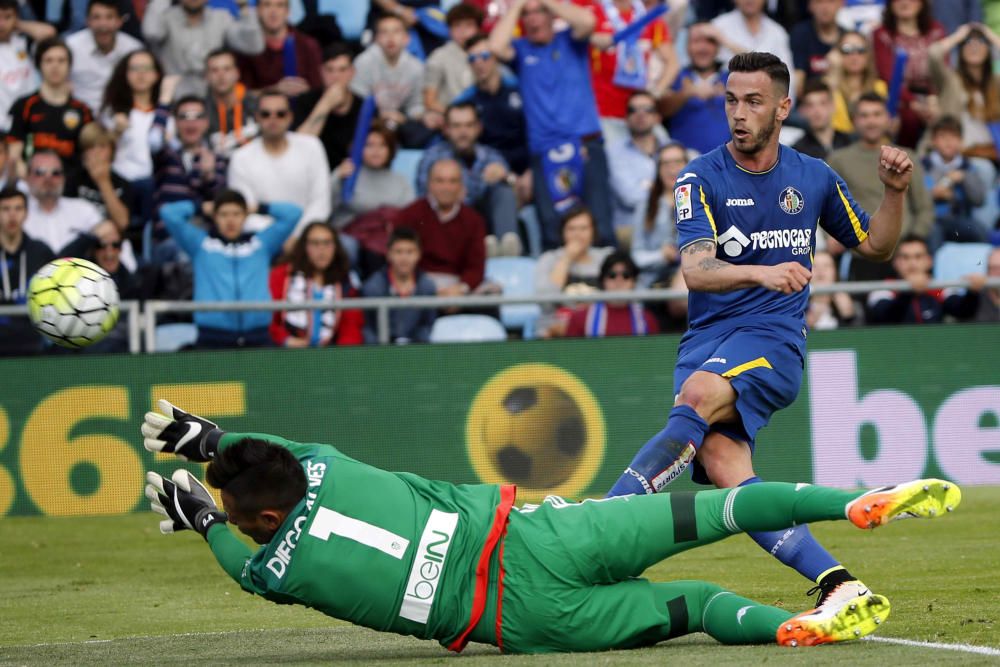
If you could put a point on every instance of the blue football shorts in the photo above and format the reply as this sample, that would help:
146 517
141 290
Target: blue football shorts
764 364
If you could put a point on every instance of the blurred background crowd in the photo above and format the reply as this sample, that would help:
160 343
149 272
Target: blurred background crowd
301 150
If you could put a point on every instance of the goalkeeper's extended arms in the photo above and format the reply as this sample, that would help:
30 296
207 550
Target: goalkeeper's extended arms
175 431
185 502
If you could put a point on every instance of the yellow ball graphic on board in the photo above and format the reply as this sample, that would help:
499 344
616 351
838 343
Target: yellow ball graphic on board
536 426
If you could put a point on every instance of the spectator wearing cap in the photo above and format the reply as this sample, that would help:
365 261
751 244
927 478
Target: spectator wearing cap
290 60
447 69
569 163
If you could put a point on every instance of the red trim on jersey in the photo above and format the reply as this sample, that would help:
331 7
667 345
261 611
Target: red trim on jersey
507 494
499 629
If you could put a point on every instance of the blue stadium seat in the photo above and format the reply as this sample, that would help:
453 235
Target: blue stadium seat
174 336
954 260
987 214
467 329
352 15
517 277
532 229
406 162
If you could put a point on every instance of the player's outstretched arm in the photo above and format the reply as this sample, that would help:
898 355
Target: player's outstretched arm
895 169
174 431
704 272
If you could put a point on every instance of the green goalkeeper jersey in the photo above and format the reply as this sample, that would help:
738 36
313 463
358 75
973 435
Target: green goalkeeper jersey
389 551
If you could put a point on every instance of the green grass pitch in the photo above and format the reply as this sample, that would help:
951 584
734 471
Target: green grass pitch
113 591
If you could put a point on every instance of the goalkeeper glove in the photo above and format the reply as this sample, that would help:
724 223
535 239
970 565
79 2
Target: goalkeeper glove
184 501
190 437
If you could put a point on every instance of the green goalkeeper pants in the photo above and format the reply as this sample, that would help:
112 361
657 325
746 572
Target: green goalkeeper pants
570 569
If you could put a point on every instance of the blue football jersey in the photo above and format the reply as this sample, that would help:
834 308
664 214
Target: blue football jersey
763 218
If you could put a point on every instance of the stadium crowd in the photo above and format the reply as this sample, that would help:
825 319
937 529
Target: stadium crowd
231 150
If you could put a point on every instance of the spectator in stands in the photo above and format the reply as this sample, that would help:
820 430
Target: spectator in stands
16 68
829 311
956 187
749 27
500 107
970 91
816 107
331 113
851 74
909 25
920 304
319 270
618 70
290 60
230 265
695 105
280 165
577 262
182 35
390 73
99 182
858 163
654 235
20 257
427 38
568 161
401 278
97 49
50 118
452 234
128 111
191 169
486 177
812 39
231 108
633 163
52 218
376 186
448 72
613 318
989 303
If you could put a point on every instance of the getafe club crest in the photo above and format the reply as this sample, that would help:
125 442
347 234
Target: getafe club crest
791 201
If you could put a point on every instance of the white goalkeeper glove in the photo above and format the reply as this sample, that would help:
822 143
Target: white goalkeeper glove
185 502
190 437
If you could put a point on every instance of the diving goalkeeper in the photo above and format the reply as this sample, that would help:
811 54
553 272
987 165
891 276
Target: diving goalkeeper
459 563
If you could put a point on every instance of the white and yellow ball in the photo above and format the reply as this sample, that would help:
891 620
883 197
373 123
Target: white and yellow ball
73 302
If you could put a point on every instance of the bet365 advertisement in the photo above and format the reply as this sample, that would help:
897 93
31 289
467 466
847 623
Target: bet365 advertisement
563 417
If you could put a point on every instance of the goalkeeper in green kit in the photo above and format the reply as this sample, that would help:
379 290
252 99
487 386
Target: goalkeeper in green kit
459 563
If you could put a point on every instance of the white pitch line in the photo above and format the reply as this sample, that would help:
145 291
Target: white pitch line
963 648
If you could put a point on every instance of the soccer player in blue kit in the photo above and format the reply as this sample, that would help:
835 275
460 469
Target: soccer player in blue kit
747 214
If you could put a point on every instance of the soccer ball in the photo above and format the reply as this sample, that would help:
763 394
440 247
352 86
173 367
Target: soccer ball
73 302
535 436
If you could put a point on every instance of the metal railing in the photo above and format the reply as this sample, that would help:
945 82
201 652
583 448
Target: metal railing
142 321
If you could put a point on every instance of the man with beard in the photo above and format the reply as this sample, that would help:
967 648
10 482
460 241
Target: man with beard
746 216
485 174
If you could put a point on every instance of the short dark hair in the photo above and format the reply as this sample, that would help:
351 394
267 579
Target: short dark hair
463 12
387 17
10 192
913 238
455 106
221 51
759 61
227 196
388 136
11 5
272 92
947 123
575 211
47 45
189 99
813 86
336 50
618 257
110 4
403 234
870 96
258 475
475 39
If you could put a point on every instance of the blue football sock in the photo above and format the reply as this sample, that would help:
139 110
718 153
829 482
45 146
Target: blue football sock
795 547
665 456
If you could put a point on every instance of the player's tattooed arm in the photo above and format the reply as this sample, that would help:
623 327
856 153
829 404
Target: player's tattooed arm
704 272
